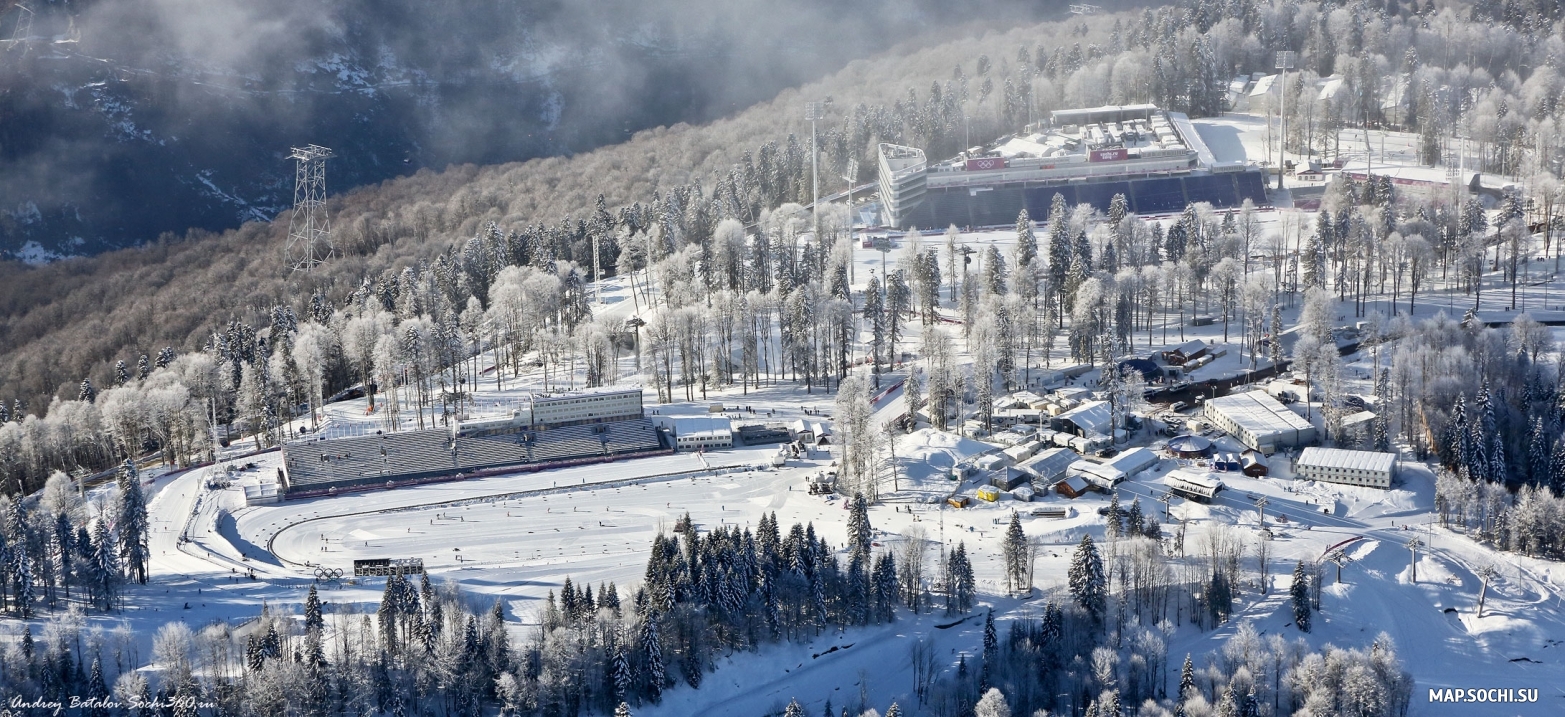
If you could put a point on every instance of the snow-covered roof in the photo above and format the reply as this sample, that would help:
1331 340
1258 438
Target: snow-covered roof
1201 479
1097 473
542 397
1355 419
1052 462
690 426
1093 416
1372 461
1188 348
1133 461
1258 413
990 461
1407 175
1329 86
1024 398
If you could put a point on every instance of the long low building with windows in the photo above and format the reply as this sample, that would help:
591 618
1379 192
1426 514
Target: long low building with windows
1260 421
698 433
1336 465
1152 157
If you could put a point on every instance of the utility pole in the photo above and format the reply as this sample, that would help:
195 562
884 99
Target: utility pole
814 112
1284 62
852 176
1487 573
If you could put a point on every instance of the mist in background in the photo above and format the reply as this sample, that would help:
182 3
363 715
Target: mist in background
124 119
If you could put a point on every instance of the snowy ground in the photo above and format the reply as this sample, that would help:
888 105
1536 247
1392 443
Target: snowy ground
517 537
518 548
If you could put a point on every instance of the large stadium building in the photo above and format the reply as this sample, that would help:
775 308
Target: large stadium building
1152 156
549 431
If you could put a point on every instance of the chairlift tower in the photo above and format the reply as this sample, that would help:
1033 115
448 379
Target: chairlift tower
309 230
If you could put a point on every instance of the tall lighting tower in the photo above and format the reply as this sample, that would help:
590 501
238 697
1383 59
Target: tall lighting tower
1285 61
309 231
815 112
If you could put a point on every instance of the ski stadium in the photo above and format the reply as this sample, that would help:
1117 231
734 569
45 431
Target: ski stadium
546 432
1152 156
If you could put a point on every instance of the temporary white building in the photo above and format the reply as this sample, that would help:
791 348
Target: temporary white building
1336 465
1259 421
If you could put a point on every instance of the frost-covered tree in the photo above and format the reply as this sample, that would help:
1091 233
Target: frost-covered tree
104 568
1299 593
992 704
958 579
1086 579
860 535
1016 557
132 523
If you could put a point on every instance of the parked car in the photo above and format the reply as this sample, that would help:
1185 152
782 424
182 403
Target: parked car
1178 406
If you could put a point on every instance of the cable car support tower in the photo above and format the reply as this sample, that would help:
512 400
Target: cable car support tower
309 230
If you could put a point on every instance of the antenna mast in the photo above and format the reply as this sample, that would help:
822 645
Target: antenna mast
309 231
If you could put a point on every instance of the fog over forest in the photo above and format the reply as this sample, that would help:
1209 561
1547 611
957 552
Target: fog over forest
124 119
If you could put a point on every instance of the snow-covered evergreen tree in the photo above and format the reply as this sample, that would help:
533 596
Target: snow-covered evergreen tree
313 621
1299 593
1113 521
1088 585
1015 556
105 567
1186 680
860 534
652 656
132 523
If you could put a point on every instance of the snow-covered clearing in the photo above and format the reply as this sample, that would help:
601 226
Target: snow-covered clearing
517 537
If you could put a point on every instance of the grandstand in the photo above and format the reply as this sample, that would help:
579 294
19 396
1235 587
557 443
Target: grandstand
1153 157
327 467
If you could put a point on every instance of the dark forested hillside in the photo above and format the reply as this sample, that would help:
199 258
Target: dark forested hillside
123 119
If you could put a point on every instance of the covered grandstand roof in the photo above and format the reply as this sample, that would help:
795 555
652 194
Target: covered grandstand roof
316 467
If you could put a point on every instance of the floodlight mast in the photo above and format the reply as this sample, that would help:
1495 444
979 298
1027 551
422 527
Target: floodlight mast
815 112
1285 60
309 230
